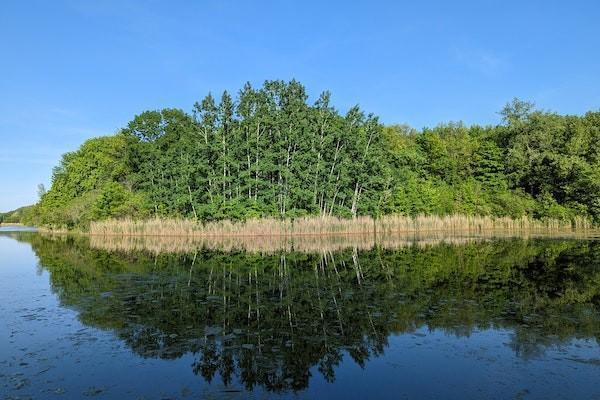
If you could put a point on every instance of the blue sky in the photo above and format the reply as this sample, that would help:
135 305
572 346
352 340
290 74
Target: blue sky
70 70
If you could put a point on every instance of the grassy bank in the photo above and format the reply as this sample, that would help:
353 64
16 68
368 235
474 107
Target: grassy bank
330 226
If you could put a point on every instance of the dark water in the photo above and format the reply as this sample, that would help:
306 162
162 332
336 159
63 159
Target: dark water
510 318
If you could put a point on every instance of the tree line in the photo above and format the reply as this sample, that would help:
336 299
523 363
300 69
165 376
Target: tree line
271 152
18 215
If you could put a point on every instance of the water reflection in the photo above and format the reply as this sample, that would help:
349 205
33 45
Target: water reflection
310 243
268 319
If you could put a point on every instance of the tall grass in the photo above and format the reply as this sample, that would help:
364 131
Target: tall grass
328 226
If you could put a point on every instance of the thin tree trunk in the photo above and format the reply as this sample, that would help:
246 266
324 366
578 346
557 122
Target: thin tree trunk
192 203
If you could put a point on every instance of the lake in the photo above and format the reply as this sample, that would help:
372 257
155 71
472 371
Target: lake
459 319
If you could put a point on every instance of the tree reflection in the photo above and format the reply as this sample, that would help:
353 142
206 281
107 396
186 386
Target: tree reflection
271 320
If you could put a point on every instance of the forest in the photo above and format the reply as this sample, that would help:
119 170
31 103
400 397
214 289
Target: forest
270 152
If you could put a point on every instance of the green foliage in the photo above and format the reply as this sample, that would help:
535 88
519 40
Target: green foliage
269 152
91 183
538 164
18 216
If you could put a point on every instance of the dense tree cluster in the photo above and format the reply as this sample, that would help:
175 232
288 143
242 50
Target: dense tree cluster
536 163
269 152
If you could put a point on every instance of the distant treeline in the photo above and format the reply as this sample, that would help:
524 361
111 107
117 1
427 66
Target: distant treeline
18 215
269 152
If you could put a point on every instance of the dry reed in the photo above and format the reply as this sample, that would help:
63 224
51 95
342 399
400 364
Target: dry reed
316 234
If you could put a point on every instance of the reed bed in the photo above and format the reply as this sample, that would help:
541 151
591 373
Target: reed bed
328 226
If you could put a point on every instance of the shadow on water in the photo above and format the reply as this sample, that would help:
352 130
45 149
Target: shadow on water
268 319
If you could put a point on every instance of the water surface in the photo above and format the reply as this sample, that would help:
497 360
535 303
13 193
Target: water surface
509 318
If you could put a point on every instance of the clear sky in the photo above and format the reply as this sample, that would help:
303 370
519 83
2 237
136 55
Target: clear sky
70 70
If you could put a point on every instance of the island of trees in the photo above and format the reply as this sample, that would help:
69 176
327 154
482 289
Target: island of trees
269 152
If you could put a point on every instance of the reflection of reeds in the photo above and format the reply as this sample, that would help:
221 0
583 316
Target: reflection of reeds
314 234
303 243
324 226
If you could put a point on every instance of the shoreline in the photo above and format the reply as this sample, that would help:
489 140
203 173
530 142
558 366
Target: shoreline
317 234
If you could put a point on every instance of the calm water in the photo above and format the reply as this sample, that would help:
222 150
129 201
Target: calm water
509 318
